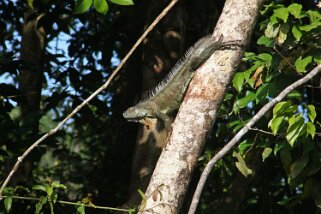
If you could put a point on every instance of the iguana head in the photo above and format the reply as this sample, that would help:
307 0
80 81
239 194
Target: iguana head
135 114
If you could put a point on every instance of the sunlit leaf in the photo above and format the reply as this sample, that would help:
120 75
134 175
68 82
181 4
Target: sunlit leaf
311 112
301 64
244 146
295 10
267 42
280 107
310 129
266 153
275 123
101 6
272 30
243 102
310 27
30 3
81 209
8 203
296 33
284 29
82 6
39 205
296 126
241 165
238 81
39 187
282 13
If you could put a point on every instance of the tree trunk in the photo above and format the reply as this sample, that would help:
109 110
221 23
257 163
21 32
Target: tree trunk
30 79
198 111
30 83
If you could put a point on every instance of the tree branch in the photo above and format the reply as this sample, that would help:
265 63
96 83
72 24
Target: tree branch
243 131
77 109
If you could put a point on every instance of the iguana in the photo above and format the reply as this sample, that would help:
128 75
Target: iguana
169 93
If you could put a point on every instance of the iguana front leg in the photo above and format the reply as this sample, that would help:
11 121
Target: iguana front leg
144 110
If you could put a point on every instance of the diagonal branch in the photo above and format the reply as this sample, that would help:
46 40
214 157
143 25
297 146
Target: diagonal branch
242 132
77 109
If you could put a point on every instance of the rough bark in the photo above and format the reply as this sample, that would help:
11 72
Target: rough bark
198 111
30 80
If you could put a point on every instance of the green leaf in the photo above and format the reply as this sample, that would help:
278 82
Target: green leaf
282 13
314 15
53 197
295 10
142 194
267 42
81 209
275 123
101 6
39 187
243 102
310 27
238 81
228 96
300 64
296 32
236 125
266 153
311 112
58 185
267 58
8 203
298 166
263 92
273 20
123 2
311 129
284 29
278 146
131 211
286 159
30 3
317 58
296 126
271 30
241 165
244 146
39 205
267 8
82 6
281 107
294 95
249 56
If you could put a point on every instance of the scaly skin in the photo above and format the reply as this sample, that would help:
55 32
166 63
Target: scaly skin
170 95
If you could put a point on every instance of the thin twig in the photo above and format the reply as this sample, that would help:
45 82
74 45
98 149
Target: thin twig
242 132
286 60
104 86
261 130
68 203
